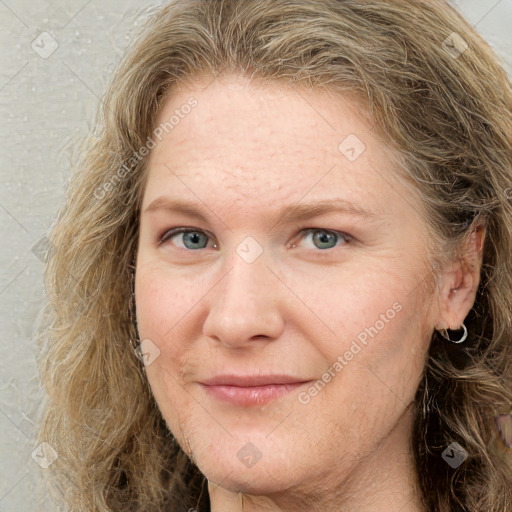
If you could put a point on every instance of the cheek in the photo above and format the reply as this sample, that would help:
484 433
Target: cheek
363 302
162 307
162 303
377 329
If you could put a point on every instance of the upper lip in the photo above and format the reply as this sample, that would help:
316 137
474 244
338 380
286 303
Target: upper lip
251 380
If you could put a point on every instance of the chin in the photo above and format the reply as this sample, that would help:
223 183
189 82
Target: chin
254 481
241 467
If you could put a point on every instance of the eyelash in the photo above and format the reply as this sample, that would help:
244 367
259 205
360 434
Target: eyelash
170 233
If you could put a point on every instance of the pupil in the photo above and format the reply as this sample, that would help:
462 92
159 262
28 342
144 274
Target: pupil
193 237
323 236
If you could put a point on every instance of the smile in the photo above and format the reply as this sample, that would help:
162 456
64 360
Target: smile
246 389
250 395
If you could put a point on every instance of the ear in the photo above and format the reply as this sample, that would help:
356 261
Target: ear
459 283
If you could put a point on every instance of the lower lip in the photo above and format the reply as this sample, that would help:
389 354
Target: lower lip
256 395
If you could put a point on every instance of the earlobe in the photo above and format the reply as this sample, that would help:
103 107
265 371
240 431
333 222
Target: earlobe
456 294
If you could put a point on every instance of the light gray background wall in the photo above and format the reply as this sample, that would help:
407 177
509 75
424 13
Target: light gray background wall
48 102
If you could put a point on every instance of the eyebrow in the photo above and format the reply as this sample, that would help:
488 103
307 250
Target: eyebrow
290 213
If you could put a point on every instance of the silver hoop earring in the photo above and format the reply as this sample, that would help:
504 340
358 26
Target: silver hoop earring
447 336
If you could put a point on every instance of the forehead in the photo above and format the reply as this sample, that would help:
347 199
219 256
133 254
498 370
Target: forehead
254 140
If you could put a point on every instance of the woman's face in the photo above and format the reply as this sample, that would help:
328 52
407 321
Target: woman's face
280 276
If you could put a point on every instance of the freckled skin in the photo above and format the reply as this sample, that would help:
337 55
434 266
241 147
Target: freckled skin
246 150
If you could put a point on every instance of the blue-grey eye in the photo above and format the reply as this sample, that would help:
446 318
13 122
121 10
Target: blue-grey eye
191 238
194 239
325 239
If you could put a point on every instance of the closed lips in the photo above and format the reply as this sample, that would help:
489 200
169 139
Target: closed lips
252 380
247 391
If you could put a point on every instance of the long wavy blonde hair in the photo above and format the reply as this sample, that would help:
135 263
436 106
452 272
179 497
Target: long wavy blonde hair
434 90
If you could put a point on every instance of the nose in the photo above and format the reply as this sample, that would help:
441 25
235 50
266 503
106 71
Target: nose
245 306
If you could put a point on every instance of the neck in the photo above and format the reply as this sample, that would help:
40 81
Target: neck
384 480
